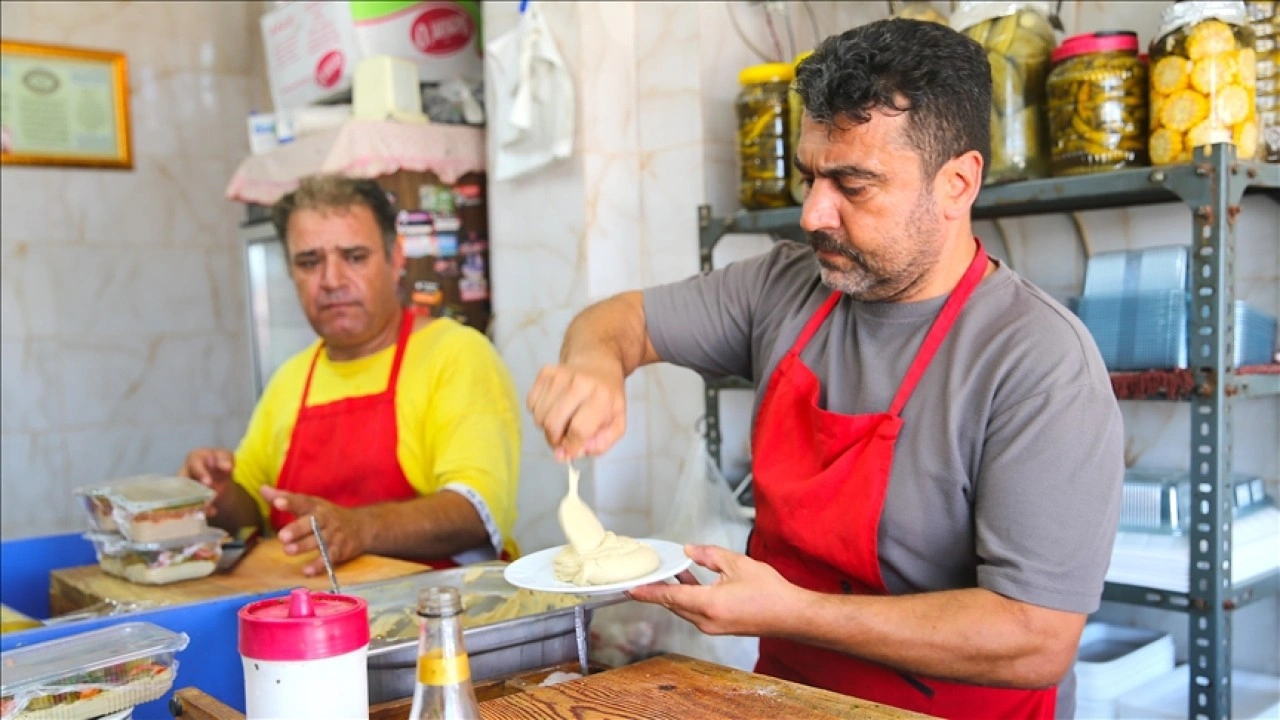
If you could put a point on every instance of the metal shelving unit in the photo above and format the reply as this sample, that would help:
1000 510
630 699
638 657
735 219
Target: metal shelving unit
1212 185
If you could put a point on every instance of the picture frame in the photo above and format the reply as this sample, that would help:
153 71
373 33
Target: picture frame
64 106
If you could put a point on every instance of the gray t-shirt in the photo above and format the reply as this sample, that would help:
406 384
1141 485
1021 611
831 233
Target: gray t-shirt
1007 474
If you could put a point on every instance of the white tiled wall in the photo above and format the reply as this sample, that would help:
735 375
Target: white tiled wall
123 332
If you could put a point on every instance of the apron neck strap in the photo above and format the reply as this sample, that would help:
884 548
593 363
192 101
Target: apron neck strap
941 326
815 322
402 340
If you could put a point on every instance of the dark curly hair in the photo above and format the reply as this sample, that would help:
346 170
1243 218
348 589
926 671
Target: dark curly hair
938 76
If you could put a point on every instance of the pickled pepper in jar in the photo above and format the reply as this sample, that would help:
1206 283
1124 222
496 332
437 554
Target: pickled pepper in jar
1019 42
795 114
918 10
1203 82
764 140
1097 104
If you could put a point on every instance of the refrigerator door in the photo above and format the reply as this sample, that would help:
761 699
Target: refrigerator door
277 327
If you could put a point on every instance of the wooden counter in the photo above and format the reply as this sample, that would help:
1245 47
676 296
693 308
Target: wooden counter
667 687
264 569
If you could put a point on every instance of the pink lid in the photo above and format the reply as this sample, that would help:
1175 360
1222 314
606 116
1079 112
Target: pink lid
303 626
1105 41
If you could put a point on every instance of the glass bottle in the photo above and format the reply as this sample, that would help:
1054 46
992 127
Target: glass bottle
764 158
443 690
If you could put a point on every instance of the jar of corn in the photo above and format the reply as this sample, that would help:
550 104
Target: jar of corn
1203 81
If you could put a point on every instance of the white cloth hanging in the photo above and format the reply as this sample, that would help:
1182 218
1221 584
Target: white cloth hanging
532 98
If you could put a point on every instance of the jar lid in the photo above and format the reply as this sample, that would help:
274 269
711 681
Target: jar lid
1104 41
766 73
304 625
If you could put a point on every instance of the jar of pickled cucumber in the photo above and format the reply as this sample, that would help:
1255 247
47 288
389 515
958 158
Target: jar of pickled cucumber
1264 18
1203 82
795 113
1097 104
1019 41
764 143
918 10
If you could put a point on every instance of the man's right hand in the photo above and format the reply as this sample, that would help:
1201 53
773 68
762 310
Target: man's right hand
212 468
582 409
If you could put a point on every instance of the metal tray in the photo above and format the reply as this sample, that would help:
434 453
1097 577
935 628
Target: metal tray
550 629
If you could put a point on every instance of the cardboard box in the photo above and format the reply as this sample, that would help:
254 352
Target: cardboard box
312 48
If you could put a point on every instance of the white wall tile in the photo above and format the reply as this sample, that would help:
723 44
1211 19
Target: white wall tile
31 378
32 468
102 453
27 294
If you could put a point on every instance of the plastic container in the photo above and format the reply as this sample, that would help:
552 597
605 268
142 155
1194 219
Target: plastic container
162 562
764 138
795 114
1159 501
1097 104
1253 695
1203 81
1148 330
1124 272
91 674
1113 660
1264 18
149 508
305 657
1019 42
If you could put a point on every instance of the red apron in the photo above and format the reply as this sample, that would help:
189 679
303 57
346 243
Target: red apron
820 480
345 451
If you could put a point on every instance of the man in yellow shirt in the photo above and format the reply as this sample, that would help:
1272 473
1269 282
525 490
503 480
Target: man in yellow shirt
399 435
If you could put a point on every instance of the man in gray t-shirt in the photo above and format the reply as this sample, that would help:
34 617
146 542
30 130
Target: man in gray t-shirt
937 453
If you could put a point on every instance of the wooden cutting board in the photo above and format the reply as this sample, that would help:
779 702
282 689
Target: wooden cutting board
675 687
263 569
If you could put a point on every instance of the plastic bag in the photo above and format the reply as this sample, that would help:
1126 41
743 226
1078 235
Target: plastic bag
704 513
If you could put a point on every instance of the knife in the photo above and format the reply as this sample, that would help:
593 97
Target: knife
324 554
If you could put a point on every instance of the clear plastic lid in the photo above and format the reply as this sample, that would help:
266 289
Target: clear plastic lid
144 493
113 544
55 662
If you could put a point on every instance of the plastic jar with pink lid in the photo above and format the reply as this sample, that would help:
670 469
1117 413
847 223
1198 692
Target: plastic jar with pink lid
305 657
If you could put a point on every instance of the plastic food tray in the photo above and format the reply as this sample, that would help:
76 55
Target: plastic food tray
1112 660
1148 331
148 508
91 674
159 563
1158 269
1253 695
1159 501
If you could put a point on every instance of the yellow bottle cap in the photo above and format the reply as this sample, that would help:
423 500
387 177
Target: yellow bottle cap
766 73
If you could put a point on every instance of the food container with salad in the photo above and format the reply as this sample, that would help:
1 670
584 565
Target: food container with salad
161 562
91 674
148 508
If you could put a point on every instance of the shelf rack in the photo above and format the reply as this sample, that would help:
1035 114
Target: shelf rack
1212 185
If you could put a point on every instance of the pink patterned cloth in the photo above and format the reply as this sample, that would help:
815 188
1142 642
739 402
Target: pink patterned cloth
360 148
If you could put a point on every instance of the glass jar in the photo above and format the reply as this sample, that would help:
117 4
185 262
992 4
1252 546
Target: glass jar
1264 17
1019 42
764 153
795 113
918 10
1097 104
1203 81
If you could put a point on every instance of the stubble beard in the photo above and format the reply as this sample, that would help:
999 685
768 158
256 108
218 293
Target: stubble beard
909 258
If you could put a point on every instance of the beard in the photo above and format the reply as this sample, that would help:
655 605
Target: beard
897 269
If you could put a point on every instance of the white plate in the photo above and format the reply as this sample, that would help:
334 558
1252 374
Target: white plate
537 572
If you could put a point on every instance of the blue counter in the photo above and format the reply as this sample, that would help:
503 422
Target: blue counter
210 662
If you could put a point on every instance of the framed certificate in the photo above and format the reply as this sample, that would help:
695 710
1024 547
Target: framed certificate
63 106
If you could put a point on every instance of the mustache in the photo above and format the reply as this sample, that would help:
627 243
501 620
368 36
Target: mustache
823 241
336 298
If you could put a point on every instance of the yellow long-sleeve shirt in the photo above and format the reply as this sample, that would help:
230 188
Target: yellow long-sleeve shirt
456 417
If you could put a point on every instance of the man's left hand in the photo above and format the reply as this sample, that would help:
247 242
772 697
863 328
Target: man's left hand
342 528
749 597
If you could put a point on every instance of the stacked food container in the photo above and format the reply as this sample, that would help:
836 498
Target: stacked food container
1136 304
102 673
151 529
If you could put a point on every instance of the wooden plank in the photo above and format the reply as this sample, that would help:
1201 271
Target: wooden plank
194 704
674 687
264 569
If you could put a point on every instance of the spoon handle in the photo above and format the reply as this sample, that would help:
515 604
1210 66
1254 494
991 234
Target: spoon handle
324 554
